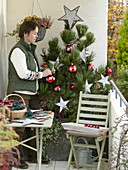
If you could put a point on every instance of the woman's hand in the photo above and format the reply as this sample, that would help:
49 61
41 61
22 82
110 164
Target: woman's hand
47 72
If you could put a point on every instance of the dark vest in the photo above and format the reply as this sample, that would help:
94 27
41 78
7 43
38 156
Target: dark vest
15 83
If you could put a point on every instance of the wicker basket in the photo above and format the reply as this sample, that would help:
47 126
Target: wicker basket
17 114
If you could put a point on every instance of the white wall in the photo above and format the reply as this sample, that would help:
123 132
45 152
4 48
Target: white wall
3 55
115 112
93 12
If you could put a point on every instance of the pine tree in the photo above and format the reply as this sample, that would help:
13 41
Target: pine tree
73 65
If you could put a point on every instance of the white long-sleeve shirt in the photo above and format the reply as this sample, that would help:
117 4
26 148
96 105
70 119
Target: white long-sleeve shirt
18 59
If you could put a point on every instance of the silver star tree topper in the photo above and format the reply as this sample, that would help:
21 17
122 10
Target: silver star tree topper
70 16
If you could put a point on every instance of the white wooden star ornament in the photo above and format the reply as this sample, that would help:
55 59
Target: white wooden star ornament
70 16
87 87
56 63
62 104
104 80
84 55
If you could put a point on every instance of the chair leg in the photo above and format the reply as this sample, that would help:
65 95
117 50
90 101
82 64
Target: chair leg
72 141
72 153
69 159
101 154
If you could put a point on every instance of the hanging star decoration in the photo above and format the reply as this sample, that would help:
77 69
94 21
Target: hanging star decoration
87 87
62 104
104 80
70 16
84 55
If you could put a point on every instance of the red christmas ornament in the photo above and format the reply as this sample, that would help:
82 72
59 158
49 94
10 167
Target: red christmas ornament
97 126
50 79
92 126
72 68
57 88
91 66
108 71
44 65
68 48
97 85
72 86
87 125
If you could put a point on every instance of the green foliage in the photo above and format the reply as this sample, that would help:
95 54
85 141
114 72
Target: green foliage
89 39
81 30
68 36
122 45
122 81
110 64
53 50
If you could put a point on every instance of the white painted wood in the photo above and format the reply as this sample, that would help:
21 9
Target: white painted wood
93 109
93 116
94 96
92 122
94 103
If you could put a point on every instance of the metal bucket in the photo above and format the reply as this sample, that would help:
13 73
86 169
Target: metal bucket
41 34
83 154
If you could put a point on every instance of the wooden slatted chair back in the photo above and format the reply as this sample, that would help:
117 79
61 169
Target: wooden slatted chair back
93 109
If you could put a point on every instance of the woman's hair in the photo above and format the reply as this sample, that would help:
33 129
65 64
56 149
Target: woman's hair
27 27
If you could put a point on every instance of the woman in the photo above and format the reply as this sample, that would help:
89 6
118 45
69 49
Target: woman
23 73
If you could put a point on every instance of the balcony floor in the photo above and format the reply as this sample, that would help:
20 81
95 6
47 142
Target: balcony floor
54 165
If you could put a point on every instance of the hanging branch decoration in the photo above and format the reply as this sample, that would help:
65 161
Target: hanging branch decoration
43 22
62 104
104 80
87 87
70 16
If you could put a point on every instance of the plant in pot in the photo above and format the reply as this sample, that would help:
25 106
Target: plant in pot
9 154
43 22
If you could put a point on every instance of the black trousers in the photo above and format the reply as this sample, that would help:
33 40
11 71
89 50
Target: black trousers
32 101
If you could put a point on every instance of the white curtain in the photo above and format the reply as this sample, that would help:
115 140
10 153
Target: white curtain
3 49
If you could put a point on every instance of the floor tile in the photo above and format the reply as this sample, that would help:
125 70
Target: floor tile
61 164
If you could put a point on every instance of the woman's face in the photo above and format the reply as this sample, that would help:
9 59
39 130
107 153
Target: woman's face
31 37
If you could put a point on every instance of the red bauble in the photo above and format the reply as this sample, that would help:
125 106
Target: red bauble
91 66
92 126
108 71
97 85
68 48
72 68
44 65
50 79
57 88
72 86
87 125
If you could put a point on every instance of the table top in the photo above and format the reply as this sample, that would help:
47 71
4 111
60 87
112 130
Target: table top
47 123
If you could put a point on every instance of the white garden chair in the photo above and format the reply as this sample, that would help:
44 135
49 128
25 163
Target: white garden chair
93 109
